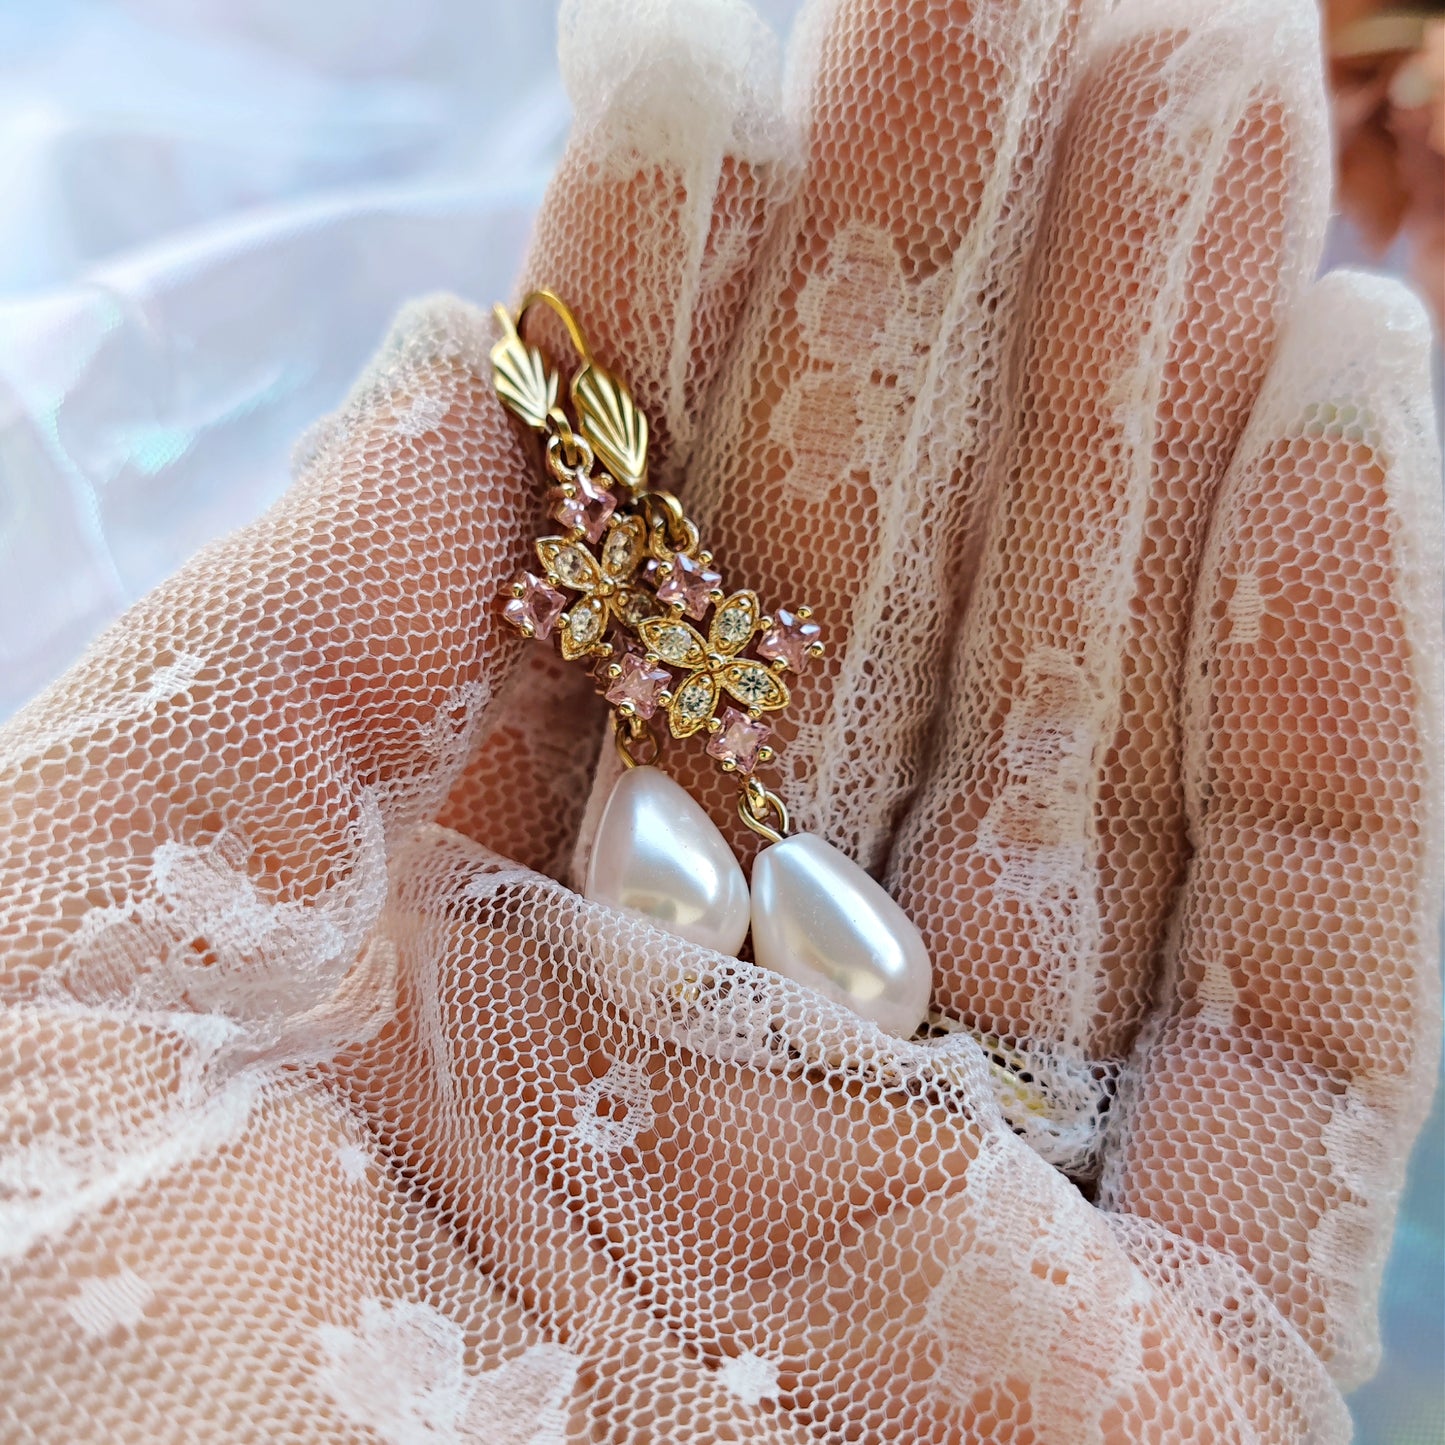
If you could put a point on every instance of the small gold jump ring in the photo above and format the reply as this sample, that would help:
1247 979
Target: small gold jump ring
568 455
755 802
665 511
627 733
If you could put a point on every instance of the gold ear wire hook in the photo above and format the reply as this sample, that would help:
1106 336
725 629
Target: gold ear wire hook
504 320
609 417
557 304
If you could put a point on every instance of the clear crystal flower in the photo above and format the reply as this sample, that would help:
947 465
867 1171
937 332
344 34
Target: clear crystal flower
605 580
712 664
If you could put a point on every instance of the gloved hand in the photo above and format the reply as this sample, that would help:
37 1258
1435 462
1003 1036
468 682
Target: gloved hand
331 1112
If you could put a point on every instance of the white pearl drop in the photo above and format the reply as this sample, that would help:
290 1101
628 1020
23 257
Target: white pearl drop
656 852
820 920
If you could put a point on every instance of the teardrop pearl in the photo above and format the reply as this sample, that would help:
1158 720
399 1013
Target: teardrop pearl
658 853
819 919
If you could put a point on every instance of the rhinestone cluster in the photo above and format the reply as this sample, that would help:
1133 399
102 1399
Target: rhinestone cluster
624 583
611 593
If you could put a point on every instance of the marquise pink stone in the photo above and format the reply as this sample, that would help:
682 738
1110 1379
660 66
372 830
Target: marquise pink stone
587 510
639 685
788 639
738 741
537 608
689 583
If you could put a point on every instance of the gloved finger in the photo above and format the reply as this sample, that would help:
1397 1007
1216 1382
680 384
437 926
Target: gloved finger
1271 1108
838 462
1042 856
648 231
197 814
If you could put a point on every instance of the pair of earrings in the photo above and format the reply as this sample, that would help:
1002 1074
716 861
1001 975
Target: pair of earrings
625 587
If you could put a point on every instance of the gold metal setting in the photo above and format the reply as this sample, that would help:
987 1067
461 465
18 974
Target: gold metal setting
626 584
711 666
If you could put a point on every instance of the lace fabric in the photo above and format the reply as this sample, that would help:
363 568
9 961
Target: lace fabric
332 1111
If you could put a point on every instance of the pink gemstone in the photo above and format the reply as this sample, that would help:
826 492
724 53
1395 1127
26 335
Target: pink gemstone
537 609
638 684
788 639
689 583
738 740
586 510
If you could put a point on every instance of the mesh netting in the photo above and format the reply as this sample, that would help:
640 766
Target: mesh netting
330 1111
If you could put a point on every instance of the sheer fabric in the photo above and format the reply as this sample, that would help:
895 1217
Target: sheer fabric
332 1111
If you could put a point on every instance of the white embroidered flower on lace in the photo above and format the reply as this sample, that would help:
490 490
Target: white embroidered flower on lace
425 414
1064 1285
864 373
749 1378
355 1162
108 1302
449 730
199 929
403 1372
612 1111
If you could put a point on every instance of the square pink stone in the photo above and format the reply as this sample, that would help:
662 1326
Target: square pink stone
537 609
688 583
788 639
587 510
638 684
739 740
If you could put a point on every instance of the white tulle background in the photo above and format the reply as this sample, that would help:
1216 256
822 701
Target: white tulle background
212 210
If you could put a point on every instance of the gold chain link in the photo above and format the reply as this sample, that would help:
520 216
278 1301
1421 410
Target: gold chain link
755 804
